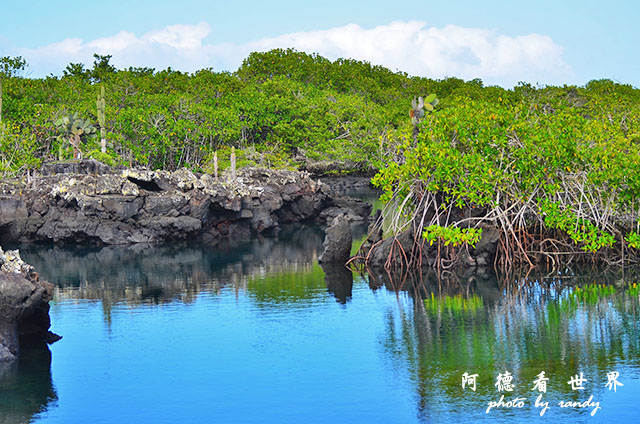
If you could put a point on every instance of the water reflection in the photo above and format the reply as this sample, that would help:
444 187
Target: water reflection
428 330
271 268
339 281
25 386
523 325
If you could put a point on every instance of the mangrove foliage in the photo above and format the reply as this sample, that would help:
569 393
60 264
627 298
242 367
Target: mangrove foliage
555 169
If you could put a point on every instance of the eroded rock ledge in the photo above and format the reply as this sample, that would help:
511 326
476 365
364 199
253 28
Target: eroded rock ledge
24 306
90 203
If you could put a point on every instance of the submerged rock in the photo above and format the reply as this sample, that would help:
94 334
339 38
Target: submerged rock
24 306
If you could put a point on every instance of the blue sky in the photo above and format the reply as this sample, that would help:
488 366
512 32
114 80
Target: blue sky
502 42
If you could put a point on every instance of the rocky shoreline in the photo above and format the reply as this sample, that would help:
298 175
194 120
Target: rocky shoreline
86 202
90 203
24 306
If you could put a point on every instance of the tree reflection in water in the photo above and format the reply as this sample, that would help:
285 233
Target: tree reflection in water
526 325
438 329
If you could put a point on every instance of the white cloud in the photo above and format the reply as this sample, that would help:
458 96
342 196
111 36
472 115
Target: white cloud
187 37
116 43
178 46
412 47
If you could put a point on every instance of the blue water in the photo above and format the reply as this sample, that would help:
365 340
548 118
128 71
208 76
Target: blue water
256 333
224 359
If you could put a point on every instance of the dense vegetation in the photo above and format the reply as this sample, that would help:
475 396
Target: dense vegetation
278 106
557 169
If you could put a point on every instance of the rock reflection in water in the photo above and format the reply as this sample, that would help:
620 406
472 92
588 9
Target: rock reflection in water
339 281
25 386
428 283
434 329
157 274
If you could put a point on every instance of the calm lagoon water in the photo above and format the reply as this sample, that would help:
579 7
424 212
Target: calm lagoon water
260 333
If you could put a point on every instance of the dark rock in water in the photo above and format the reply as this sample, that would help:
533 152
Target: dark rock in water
24 306
392 249
484 253
408 248
337 242
355 210
348 184
320 168
357 206
488 243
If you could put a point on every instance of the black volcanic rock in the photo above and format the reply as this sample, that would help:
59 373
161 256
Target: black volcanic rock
24 306
88 203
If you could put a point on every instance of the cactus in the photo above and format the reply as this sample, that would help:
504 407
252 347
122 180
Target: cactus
60 152
233 164
75 128
100 106
0 100
417 111
215 164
